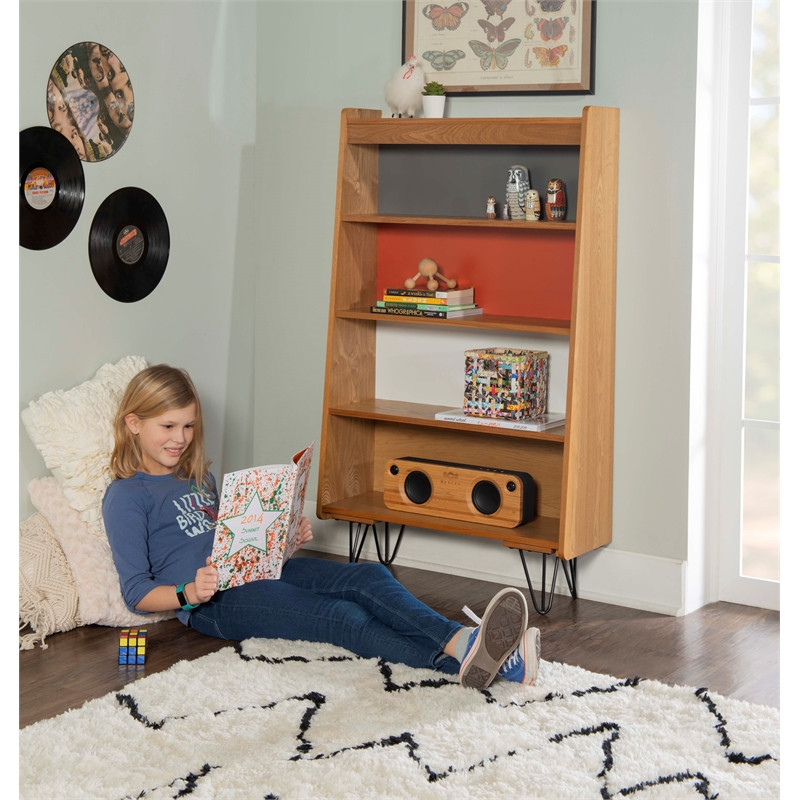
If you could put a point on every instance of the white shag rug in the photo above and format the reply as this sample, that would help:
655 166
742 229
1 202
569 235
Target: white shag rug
281 719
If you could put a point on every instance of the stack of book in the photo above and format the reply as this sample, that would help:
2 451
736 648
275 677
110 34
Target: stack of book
444 304
542 422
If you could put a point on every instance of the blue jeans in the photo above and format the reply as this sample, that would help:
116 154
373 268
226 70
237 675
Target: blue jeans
361 607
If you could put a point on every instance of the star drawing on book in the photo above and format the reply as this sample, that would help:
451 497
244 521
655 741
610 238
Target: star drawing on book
250 528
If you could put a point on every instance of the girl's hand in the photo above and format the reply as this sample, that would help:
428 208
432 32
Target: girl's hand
206 582
304 534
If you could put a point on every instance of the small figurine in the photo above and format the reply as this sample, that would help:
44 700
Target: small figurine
491 207
506 213
429 269
556 204
517 184
533 206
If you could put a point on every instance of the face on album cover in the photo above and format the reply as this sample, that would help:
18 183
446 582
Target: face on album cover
90 100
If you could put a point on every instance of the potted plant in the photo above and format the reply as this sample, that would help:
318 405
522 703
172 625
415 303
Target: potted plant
433 98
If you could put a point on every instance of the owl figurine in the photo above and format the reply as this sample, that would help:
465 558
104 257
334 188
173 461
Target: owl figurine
533 205
517 185
556 204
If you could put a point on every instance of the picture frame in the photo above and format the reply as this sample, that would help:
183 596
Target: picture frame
482 47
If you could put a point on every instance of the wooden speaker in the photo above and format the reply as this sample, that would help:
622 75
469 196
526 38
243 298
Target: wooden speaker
459 491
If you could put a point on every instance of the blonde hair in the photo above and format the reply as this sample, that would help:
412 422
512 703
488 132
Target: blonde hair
152 392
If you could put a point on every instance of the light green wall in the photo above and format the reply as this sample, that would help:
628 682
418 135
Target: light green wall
645 53
192 67
237 116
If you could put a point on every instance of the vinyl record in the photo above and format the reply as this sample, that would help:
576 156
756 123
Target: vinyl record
129 244
51 188
90 100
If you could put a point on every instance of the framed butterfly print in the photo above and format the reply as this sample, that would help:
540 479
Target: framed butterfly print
503 46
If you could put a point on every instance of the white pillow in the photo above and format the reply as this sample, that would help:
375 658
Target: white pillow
73 430
90 561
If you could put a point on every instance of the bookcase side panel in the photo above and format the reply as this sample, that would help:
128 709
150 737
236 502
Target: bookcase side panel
346 446
358 170
348 467
357 253
589 441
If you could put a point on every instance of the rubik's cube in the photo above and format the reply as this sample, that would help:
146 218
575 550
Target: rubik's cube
132 645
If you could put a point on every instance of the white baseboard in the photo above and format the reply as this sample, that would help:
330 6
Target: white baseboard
605 575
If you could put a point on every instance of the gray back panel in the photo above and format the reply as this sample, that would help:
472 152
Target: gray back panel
429 180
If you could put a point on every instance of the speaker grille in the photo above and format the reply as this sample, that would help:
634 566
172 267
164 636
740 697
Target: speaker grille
486 497
418 487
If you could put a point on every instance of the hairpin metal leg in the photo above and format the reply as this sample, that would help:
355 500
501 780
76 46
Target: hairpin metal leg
571 575
382 555
359 534
357 538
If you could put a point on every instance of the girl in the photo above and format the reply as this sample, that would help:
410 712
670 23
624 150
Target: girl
159 515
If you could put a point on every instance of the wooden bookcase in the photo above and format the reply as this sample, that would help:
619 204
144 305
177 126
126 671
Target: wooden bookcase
572 465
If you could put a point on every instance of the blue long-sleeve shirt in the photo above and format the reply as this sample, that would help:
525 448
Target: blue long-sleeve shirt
161 530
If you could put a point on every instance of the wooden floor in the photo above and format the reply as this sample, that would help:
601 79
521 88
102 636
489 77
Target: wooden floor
727 648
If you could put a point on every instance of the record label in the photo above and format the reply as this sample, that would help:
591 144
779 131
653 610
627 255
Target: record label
40 188
129 244
51 188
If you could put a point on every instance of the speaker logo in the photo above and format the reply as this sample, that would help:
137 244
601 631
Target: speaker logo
466 492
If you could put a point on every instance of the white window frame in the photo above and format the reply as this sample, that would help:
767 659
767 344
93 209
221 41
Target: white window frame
718 323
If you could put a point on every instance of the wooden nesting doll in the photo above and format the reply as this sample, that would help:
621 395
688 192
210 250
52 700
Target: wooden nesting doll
556 203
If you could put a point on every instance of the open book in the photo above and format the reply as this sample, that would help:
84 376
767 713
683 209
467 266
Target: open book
259 512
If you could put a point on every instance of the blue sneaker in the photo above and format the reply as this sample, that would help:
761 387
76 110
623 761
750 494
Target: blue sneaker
522 665
493 641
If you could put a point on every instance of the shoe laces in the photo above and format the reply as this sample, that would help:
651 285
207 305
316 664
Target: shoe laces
514 658
472 615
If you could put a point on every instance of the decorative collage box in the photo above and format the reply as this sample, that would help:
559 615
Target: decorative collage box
505 382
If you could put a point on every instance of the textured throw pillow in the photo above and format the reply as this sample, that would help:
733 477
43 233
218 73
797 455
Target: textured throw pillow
73 430
89 557
48 599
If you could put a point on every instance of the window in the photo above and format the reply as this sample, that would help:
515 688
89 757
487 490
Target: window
760 539
735 430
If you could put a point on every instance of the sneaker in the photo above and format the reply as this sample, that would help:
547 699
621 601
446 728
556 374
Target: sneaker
490 644
522 665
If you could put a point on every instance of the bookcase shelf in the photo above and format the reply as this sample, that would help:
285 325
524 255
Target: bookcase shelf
570 293
539 536
469 131
464 222
559 327
423 414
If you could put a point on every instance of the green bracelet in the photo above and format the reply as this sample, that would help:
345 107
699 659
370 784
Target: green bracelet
185 604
